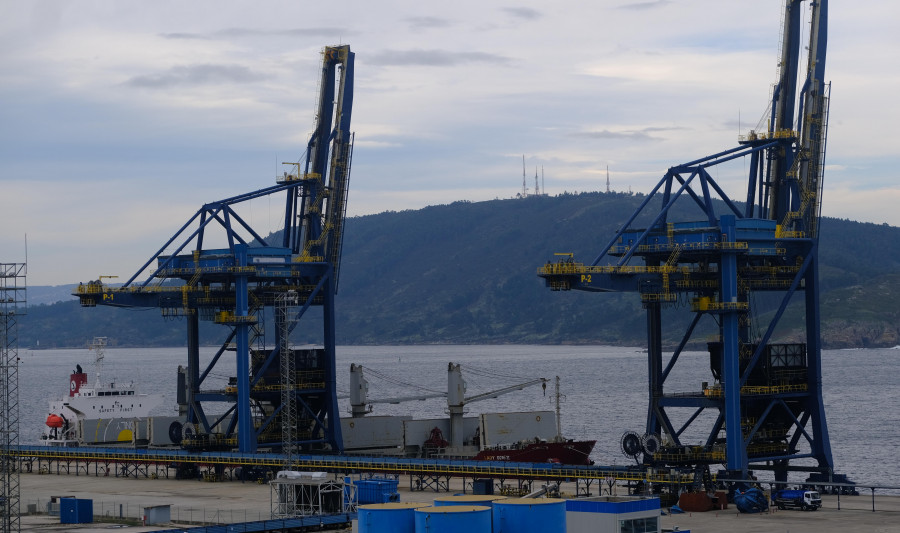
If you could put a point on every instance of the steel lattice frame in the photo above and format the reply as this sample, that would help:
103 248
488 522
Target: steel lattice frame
12 305
285 320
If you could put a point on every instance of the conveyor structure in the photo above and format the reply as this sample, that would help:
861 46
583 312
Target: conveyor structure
96 460
235 285
765 397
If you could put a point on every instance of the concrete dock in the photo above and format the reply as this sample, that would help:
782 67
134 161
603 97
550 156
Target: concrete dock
194 502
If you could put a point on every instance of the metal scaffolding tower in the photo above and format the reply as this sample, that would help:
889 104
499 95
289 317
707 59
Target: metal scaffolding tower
236 286
285 313
765 397
12 306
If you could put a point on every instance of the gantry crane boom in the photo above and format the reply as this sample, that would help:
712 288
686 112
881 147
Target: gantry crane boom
320 203
794 175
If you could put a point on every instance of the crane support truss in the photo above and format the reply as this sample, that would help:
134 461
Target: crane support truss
12 305
233 286
766 397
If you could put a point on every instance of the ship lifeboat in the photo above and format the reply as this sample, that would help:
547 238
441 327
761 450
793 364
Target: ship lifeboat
55 421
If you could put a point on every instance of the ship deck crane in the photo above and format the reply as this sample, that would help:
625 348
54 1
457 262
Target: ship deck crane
766 398
456 396
233 286
360 403
457 399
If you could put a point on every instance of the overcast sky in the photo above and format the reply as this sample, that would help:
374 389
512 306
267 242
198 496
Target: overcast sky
119 119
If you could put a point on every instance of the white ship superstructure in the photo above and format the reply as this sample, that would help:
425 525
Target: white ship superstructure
118 406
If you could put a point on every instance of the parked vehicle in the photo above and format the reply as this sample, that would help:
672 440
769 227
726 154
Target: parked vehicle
805 500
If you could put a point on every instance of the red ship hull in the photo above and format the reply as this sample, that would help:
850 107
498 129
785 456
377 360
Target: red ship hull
567 453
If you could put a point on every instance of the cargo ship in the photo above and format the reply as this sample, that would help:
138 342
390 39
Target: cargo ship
105 412
529 436
110 414
536 450
567 452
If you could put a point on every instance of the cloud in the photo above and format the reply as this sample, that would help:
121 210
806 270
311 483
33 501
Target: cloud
643 134
878 204
523 12
182 35
434 58
642 6
376 144
196 75
295 32
424 23
229 33
206 100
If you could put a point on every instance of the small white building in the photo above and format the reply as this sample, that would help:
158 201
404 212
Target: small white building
157 514
613 514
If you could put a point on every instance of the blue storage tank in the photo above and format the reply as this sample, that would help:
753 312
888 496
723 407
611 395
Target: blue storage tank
388 517
468 499
454 519
524 515
76 511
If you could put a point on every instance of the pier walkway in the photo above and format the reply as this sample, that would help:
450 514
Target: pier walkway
126 462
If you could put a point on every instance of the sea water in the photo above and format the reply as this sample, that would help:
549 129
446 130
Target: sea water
603 390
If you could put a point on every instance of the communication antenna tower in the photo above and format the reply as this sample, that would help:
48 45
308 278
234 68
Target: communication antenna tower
537 188
607 178
524 186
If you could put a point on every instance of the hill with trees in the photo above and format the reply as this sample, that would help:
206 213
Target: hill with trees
465 273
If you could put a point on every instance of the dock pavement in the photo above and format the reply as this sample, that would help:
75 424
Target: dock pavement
195 501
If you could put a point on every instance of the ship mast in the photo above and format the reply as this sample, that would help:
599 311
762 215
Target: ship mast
97 346
558 421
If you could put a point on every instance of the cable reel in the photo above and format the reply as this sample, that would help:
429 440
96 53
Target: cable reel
631 444
650 443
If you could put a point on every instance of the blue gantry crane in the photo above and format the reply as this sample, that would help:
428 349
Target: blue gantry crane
764 405
235 285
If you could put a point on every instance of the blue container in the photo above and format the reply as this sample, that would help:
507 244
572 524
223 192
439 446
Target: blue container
453 519
468 499
388 517
483 486
76 511
526 515
376 491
